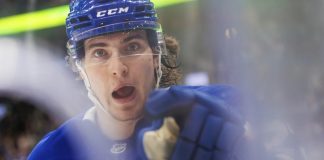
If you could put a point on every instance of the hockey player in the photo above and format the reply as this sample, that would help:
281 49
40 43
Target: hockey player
119 50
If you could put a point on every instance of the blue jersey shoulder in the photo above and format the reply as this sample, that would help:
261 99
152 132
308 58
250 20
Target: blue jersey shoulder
56 144
80 139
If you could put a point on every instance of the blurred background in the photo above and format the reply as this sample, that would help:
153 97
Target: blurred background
272 50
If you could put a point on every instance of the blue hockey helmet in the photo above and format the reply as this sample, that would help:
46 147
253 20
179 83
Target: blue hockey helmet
90 18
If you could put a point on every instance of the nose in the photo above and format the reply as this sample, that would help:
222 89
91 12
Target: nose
118 68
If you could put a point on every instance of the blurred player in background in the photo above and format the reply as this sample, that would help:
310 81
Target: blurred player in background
120 52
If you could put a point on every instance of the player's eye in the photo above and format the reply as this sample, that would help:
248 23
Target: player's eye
100 53
134 48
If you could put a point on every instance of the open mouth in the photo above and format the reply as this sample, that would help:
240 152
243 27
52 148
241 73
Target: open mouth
124 92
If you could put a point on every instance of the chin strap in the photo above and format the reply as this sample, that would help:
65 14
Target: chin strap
91 94
158 72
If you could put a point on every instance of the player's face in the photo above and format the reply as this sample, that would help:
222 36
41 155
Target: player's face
120 69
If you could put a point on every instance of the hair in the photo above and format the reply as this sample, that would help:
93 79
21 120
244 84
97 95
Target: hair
171 74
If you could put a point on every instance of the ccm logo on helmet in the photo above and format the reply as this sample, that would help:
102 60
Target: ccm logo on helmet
113 11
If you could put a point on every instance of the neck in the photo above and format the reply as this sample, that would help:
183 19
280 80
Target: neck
113 128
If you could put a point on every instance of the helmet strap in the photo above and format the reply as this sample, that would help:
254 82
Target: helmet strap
86 81
158 72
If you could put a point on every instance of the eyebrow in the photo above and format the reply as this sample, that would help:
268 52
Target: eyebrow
135 36
127 39
94 45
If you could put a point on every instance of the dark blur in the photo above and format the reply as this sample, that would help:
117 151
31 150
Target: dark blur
22 125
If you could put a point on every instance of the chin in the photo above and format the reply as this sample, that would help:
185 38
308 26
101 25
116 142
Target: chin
128 111
127 115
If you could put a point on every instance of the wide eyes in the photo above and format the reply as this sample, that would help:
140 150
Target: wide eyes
128 49
133 48
100 53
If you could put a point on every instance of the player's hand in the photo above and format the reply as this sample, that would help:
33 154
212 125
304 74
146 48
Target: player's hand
192 123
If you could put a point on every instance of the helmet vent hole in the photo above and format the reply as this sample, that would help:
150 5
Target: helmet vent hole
73 21
84 18
139 8
82 25
143 15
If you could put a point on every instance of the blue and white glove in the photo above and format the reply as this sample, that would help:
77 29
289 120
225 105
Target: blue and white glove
193 123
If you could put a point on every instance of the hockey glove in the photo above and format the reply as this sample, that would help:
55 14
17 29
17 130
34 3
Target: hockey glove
192 123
